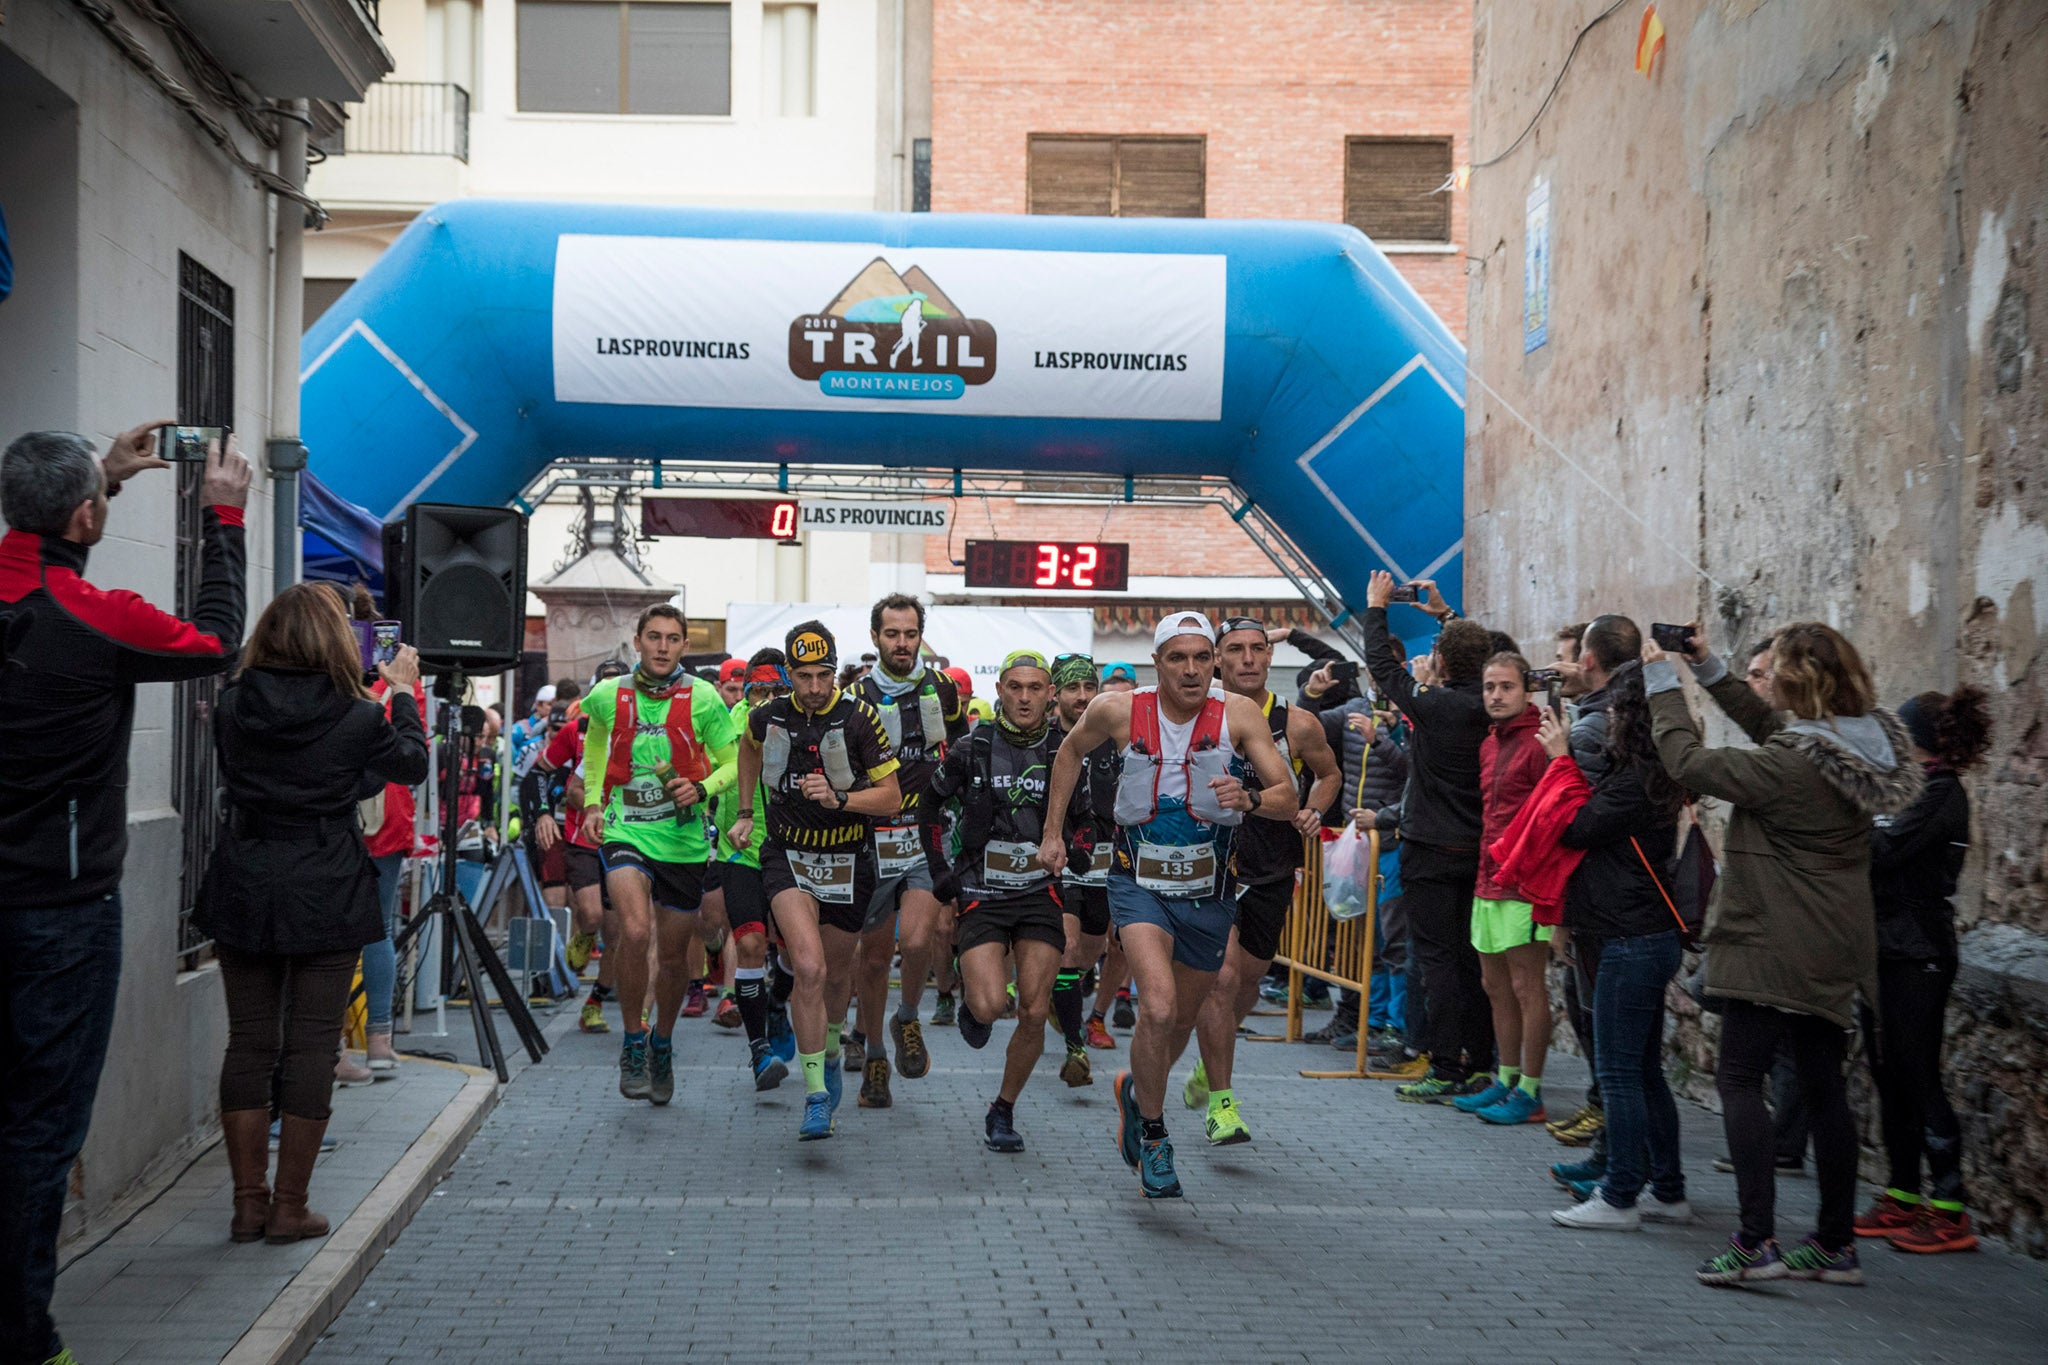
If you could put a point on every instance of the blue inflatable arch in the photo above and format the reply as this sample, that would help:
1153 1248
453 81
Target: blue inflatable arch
1291 359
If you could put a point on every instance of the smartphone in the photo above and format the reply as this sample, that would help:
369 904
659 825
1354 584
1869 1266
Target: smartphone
384 642
1344 670
1551 683
1672 639
1406 592
187 445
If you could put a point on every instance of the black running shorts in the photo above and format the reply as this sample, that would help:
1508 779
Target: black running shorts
841 881
1090 905
1261 915
1036 915
584 866
677 886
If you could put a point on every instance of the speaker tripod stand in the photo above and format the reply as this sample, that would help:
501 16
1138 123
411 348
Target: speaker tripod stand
460 927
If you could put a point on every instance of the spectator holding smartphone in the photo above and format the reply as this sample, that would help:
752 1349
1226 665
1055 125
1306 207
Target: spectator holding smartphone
70 657
1791 932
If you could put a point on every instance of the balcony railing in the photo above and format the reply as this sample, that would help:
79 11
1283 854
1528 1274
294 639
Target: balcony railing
408 118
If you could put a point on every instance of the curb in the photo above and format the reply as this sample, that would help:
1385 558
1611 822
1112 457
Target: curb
286 1330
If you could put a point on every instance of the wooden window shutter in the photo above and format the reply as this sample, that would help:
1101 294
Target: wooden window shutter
1071 175
1123 177
1160 177
1389 185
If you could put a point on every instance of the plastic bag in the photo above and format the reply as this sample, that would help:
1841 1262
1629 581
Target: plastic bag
1347 873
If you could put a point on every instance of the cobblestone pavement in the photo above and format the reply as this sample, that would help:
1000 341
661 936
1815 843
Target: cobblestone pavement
1354 1227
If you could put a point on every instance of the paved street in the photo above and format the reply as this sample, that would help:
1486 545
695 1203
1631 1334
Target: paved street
1355 1227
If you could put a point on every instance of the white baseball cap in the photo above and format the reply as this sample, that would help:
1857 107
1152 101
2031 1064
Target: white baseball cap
1183 623
546 693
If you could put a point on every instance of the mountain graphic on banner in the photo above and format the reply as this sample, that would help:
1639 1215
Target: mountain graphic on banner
879 294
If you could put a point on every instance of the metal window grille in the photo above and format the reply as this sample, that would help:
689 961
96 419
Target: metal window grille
206 397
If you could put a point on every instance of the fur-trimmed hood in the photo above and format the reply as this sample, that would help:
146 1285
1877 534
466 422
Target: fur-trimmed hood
1867 759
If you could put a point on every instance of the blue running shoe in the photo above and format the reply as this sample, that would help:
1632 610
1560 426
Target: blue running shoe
1519 1107
1155 1171
1126 1119
817 1122
1578 1172
769 1070
1485 1099
1581 1190
835 1081
781 1037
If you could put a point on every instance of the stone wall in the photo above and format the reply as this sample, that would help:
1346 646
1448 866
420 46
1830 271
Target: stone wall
1792 372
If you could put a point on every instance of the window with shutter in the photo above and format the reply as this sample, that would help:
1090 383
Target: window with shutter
1390 188
625 56
1116 177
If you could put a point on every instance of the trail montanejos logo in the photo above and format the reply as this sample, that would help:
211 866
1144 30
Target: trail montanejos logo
892 336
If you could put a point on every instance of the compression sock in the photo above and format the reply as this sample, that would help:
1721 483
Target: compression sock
832 1039
1532 1086
1152 1130
1903 1196
636 1038
1066 1005
600 993
1507 1076
750 989
814 1072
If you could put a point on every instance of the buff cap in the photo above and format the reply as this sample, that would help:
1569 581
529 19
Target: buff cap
809 645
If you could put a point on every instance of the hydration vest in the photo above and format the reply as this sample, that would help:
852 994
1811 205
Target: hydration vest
931 719
987 811
833 756
1268 850
686 755
1206 757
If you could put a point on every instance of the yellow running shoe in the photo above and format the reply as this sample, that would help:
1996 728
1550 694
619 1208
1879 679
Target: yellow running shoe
592 1019
578 951
1412 1069
1224 1126
1195 1093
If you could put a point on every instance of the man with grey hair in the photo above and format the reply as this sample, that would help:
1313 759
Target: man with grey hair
73 654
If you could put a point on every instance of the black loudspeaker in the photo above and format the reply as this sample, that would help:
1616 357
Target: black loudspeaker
455 578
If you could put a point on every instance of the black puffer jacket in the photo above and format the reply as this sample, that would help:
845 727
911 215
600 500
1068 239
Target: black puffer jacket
1612 894
290 873
1915 858
1448 724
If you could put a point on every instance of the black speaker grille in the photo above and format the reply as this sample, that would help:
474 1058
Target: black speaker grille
465 608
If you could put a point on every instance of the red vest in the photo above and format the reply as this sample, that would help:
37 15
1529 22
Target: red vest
686 755
1138 786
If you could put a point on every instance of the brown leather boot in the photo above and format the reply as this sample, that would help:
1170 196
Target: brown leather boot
246 1135
298 1146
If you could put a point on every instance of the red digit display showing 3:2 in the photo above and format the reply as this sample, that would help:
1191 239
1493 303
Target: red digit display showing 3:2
1049 565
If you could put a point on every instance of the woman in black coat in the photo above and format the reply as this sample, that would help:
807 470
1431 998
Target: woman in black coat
290 897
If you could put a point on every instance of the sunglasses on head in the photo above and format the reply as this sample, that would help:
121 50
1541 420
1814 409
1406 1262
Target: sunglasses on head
1231 623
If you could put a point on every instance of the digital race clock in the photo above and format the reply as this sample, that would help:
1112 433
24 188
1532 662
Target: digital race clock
720 518
1049 565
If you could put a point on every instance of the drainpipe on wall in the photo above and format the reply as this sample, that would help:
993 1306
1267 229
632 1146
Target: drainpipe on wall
285 455
896 157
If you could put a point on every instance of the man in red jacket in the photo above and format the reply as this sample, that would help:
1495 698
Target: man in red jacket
70 657
1513 949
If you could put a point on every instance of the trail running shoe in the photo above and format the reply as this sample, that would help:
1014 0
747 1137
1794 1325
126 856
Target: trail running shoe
1435 1089
1519 1107
1886 1215
817 1123
1224 1126
1273 992
1577 1116
855 1050
1582 1133
1578 1172
835 1083
592 1018
728 1015
1485 1099
781 1037
661 1080
634 1082
972 1029
577 950
999 1132
874 1084
1155 1171
1123 1016
1344 1037
913 1059
1408 1068
1075 1071
769 1070
1127 1127
1098 1035
1738 1264
1811 1261
942 1011
1195 1094
694 1003
1936 1230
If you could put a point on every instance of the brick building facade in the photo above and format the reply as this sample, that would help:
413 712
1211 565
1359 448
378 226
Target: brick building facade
1329 110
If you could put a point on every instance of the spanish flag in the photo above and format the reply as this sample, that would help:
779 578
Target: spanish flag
1649 40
